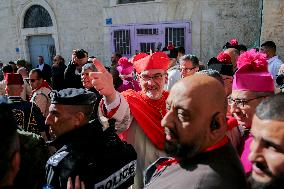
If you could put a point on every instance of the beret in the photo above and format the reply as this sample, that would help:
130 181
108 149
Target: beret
72 96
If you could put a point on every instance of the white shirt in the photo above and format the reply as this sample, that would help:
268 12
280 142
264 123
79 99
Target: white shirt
40 66
274 65
173 76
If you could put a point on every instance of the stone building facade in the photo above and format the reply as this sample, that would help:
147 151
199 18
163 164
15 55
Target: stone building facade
101 26
273 24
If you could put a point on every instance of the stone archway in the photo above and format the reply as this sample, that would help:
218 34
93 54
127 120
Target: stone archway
43 30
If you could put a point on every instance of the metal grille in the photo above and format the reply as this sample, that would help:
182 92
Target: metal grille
37 16
148 31
175 36
145 47
121 41
131 1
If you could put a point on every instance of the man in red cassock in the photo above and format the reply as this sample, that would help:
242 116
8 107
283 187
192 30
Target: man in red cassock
138 115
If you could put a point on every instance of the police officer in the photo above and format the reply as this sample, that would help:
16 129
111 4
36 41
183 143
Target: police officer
99 157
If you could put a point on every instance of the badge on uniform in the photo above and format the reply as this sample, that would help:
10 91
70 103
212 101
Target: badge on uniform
56 158
119 177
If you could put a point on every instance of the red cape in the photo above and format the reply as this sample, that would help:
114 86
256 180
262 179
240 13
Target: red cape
148 113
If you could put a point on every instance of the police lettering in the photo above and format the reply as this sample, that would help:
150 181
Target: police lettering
119 177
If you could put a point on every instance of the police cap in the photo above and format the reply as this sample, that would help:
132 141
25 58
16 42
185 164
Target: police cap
72 96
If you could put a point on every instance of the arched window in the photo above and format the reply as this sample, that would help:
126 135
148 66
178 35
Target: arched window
37 16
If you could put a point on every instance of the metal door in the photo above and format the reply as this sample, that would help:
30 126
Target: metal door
148 37
42 45
178 34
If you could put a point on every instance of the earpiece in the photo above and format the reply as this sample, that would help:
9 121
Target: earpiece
214 124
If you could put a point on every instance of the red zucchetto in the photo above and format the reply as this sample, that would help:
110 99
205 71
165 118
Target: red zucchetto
158 60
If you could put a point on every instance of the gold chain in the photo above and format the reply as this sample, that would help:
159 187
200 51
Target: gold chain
152 105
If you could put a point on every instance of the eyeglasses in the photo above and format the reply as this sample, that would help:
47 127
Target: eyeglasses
32 80
156 77
186 69
241 102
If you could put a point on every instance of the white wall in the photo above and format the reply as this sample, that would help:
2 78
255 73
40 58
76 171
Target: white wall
81 23
273 24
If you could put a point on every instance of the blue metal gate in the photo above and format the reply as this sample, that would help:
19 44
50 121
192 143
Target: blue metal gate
42 45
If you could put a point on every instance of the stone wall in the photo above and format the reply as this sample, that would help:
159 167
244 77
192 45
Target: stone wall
273 24
81 24
214 22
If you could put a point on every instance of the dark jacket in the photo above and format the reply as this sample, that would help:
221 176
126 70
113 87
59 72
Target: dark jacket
34 154
99 157
97 103
46 72
71 79
57 76
217 169
117 81
28 115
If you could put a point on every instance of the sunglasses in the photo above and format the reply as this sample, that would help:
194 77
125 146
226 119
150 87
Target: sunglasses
32 80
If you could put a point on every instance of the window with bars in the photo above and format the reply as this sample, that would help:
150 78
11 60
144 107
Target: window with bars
147 31
146 47
131 38
175 36
131 1
121 41
37 16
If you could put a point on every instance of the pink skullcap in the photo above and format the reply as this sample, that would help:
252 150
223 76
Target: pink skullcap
157 60
252 74
124 66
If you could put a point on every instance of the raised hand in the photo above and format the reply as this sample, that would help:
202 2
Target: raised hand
102 81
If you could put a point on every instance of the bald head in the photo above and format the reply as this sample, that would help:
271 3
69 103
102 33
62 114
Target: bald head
234 54
196 116
23 72
203 90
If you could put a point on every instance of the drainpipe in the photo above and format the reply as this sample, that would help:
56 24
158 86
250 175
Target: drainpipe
261 20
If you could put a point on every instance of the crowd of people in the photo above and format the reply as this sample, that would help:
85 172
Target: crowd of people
157 120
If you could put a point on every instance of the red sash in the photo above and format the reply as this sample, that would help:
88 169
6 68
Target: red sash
148 113
43 84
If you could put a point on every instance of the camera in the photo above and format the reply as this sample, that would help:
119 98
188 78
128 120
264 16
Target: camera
280 80
80 53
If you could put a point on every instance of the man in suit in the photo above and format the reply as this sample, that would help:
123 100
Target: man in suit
195 127
45 68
